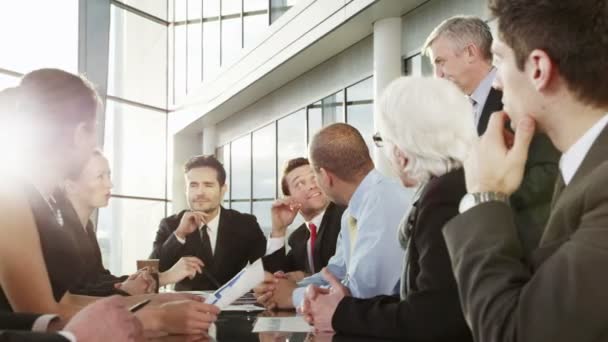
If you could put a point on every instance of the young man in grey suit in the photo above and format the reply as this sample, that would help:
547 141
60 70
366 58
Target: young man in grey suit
460 51
551 61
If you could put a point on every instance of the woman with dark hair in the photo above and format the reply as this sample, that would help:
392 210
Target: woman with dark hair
38 258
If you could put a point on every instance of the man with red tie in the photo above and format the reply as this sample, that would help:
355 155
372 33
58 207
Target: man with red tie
314 242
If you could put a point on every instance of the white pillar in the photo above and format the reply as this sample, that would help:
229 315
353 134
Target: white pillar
209 140
387 67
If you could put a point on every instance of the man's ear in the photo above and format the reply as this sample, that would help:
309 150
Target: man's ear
400 157
223 190
540 69
327 176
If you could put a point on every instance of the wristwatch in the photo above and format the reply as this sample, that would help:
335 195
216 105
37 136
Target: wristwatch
470 200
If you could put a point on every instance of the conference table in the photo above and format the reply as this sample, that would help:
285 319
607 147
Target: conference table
237 326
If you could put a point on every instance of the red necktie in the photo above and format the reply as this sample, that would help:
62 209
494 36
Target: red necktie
313 237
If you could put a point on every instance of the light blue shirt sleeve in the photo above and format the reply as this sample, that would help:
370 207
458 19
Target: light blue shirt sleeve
336 265
377 261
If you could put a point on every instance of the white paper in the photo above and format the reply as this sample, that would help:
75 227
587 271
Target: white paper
281 324
243 307
240 284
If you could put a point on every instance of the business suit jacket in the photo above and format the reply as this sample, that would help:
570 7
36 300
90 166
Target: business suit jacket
562 296
297 257
16 327
239 241
430 311
532 200
97 280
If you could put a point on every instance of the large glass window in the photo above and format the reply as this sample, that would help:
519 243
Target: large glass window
263 141
126 230
157 8
315 119
261 210
241 168
333 108
211 48
231 38
291 140
138 59
195 52
39 34
135 144
223 155
360 108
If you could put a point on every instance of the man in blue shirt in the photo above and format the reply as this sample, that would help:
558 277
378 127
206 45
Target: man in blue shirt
368 257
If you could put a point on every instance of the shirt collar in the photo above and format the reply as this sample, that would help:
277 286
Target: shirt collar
483 89
356 201
316 220
572 159
213 224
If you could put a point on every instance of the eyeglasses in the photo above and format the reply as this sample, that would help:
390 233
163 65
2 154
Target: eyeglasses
378 140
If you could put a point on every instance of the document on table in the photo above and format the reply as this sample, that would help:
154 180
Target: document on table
239 285
281 324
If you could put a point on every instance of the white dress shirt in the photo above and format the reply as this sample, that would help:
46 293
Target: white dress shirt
572 159
480 95
41 324
212 228
274 244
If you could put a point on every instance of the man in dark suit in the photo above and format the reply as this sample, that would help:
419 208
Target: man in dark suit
314 241
223 239
105 320
459 49
562 295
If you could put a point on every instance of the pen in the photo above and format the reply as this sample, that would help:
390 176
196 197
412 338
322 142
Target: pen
139 305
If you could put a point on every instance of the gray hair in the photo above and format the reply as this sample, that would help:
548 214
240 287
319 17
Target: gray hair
430 120
463 30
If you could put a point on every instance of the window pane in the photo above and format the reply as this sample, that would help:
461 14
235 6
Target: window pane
126 231
255 5
231 7
37 34
138 59
291 138
231 40
279 7
241 207
194 56
263 162
360 111
223 155
241 168
195 9
315 119
261 210
180 10
211 8
211 49
135 144
157 8
255 27
7 81
179 77
333 108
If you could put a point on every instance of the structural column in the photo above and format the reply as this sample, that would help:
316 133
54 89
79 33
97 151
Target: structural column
387 67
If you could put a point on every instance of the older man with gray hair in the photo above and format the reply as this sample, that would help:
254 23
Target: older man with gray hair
412 111
460 51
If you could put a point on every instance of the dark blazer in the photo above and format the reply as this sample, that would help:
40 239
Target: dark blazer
431 309
11 323
532 200
97 280
239 241
560 297
297 257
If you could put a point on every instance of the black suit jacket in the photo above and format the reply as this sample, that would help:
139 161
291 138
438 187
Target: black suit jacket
15 327
431 309
297 257
560 297
97 280
239 241
532 200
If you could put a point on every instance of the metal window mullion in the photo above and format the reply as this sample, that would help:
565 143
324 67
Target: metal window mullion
251 172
